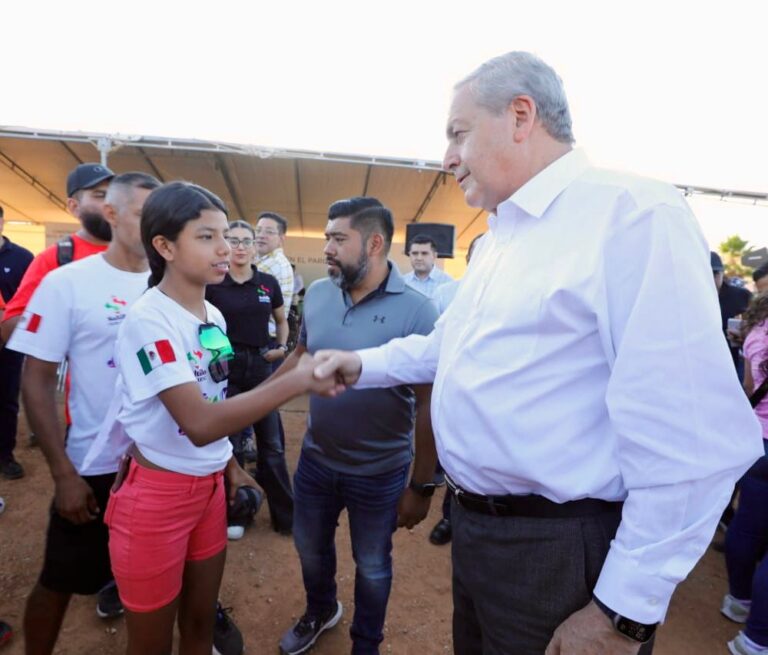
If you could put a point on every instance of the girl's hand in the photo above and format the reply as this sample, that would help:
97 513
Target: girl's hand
328 386
237 477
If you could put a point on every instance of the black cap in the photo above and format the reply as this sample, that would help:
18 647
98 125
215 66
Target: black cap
87 176
717 263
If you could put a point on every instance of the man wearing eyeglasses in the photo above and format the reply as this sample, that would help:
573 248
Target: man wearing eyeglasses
270 239
74 315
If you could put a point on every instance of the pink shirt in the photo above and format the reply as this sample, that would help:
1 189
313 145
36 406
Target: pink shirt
756 350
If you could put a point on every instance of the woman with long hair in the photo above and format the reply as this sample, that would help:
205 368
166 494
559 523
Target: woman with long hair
248 298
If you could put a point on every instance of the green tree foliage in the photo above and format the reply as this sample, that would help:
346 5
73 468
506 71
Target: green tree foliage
732 249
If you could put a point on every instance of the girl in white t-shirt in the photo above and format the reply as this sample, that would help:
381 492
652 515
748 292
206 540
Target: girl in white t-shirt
167 516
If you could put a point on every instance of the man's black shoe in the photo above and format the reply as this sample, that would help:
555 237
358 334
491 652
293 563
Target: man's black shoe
10 469
109 605
302 636
441 534
227 638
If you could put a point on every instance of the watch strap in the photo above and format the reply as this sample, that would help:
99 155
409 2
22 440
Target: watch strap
426 490
634 630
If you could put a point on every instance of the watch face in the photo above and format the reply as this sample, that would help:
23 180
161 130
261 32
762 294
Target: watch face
638 631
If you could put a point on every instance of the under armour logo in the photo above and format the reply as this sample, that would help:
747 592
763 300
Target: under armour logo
6 269
379 319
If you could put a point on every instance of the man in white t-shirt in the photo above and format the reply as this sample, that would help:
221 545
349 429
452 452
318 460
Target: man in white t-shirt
74 315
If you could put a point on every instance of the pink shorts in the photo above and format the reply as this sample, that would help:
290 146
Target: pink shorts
158 520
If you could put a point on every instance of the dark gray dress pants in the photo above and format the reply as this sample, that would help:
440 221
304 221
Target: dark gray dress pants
516 579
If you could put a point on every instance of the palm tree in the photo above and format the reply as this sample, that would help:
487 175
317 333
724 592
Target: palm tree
732 249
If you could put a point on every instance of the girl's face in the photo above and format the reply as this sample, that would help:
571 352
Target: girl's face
201 252
242 255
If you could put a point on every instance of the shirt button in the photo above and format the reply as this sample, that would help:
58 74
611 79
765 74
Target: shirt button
653 601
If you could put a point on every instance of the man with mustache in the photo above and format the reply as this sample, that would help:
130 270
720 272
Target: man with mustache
357 449
86 190
580 398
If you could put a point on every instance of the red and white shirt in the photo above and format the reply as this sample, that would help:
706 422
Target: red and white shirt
75 314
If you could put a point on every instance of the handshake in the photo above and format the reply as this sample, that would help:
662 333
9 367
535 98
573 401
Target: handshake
328 372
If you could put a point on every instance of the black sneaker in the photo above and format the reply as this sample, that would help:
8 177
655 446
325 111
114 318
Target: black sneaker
227 639
109 605
302 636
10 469
6 632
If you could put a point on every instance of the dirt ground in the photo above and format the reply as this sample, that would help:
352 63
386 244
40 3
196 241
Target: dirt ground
262 581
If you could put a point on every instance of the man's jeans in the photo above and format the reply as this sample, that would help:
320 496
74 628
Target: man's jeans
745 545
10 378
248 370
371 503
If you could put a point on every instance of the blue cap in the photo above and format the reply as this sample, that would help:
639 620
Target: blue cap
87 176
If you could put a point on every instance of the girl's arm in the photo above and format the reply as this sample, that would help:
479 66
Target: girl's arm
205 422
749 381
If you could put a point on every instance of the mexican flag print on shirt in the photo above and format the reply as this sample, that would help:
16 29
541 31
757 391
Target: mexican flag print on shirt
155 354
30 322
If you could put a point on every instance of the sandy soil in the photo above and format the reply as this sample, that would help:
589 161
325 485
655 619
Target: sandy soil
262 582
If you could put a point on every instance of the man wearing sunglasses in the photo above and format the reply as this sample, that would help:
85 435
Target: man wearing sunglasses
357 449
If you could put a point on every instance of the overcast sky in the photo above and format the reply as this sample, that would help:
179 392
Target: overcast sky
673 89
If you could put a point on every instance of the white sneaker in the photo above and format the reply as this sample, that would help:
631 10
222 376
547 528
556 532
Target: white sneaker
235 532
735 609
743 645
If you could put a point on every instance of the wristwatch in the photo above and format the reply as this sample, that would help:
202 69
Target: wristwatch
640 632
426 490
282 347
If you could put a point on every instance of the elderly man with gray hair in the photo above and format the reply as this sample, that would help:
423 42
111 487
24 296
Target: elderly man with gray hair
578 411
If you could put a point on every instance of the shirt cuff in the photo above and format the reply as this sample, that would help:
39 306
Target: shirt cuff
374 370
633 593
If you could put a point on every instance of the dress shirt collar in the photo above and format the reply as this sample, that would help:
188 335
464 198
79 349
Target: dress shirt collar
536 195
270 255
432 275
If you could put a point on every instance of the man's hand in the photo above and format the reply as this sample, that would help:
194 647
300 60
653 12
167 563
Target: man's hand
590 632
346 366
412 509
74 499
237 478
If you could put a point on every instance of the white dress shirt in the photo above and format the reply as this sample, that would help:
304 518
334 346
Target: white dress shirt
429 284
445 294
582 357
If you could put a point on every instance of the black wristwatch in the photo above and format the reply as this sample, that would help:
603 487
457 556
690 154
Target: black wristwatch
640 632
426 490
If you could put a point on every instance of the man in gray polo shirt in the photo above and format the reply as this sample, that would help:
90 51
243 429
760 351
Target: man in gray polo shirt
358 446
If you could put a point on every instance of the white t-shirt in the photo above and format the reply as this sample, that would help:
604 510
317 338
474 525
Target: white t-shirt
75 314
158 347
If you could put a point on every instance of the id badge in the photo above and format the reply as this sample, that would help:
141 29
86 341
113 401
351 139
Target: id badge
122 471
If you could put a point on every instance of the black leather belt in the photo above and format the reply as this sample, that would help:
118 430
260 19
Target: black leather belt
531 506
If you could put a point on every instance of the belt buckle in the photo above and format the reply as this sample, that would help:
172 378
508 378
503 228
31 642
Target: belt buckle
457 491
